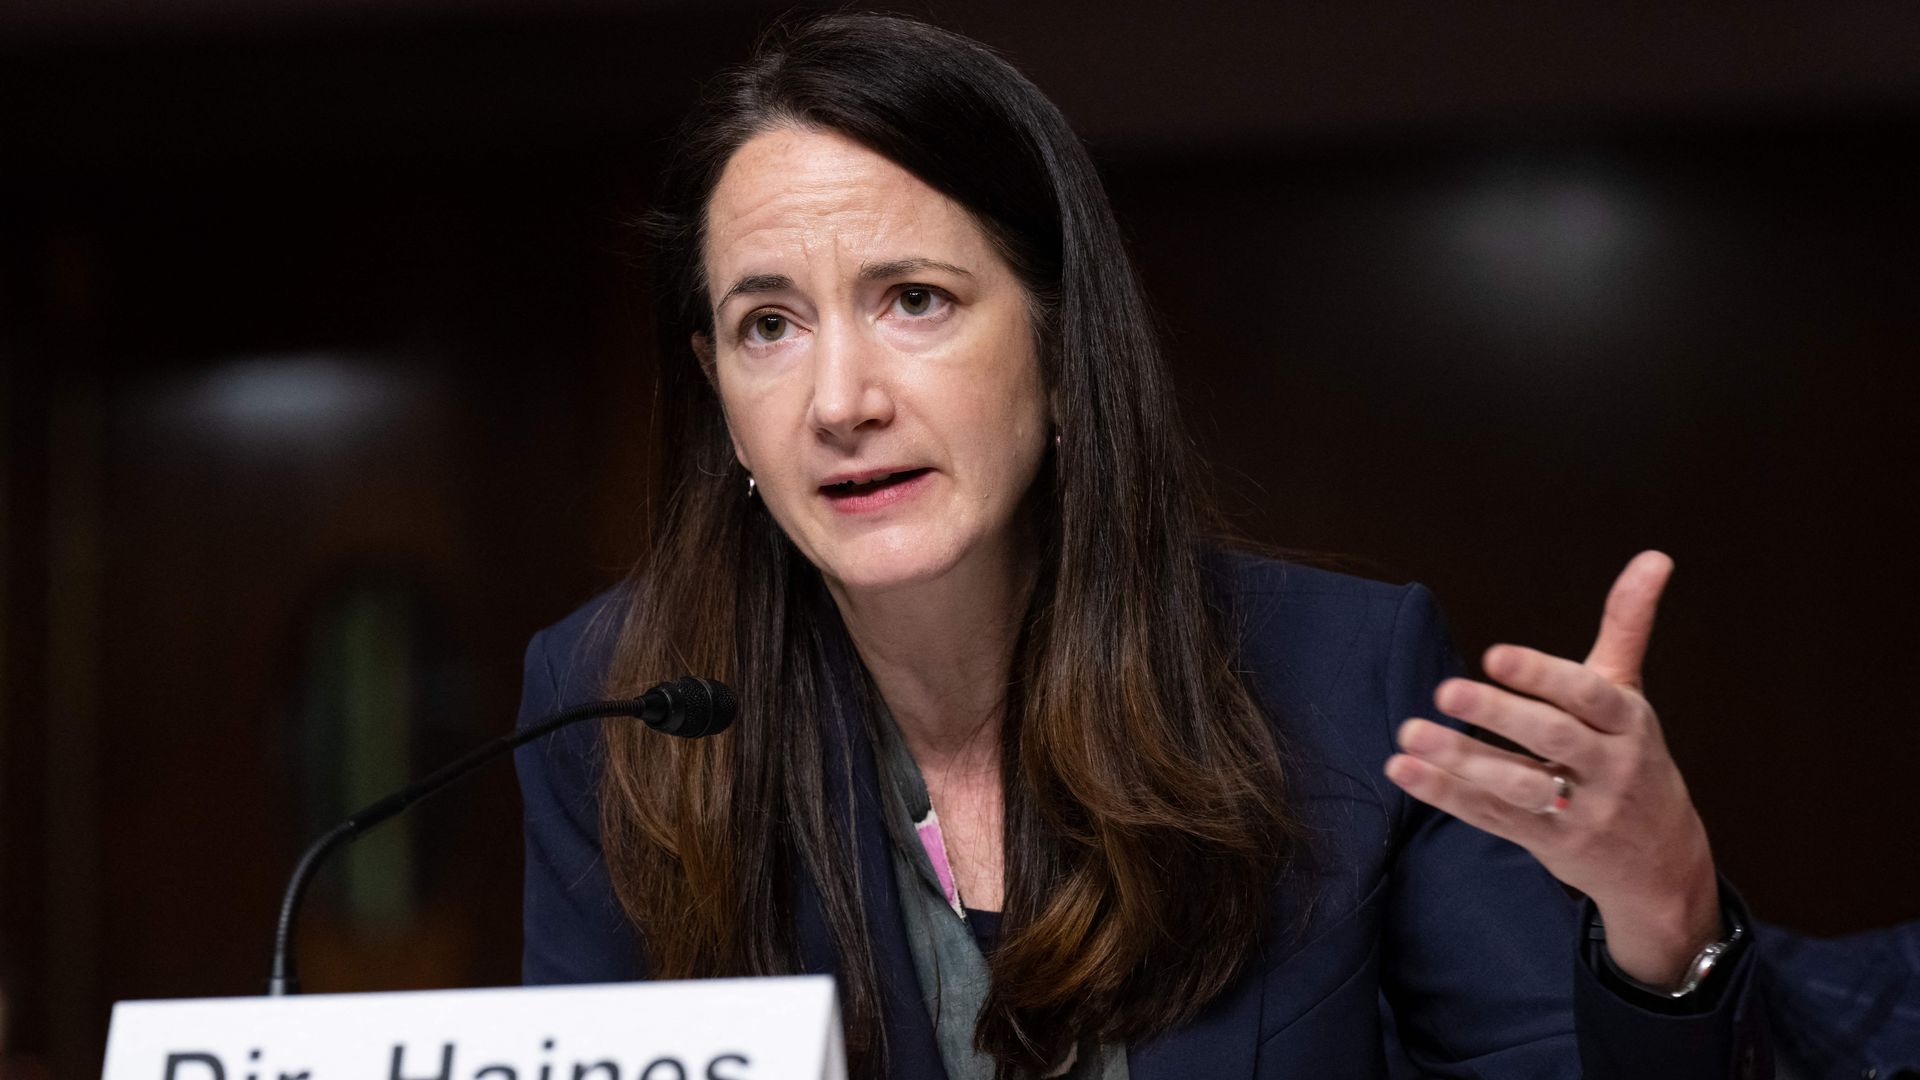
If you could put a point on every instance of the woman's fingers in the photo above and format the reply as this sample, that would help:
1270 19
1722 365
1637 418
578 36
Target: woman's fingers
1575 688
1519 781
1543 729
1467 801
1561 705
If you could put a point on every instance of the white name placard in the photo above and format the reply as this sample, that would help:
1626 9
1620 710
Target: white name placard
717 1029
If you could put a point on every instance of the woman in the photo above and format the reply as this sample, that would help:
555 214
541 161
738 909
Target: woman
1053 785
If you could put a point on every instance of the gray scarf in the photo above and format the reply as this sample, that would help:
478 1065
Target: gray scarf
946 957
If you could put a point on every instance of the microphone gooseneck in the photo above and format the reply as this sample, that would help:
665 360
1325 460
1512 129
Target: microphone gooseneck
688 707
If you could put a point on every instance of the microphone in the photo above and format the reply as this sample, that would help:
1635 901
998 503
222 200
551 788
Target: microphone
689 707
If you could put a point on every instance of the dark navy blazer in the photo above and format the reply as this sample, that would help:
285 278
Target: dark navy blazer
1429 945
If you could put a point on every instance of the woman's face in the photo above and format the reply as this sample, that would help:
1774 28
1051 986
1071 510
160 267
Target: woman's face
876 361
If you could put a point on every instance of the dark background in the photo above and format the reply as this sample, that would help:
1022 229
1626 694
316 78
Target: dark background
325 385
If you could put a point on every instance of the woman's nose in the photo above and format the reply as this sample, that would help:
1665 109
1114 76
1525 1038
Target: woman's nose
849 383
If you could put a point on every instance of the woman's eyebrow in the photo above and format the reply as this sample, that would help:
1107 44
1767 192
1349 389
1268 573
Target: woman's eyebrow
892 268
873 271
755 283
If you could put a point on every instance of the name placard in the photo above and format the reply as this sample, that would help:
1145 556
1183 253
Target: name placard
715 1029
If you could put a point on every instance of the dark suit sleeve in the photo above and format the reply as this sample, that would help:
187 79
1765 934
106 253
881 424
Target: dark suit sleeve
1727 1037
1485 969
575 930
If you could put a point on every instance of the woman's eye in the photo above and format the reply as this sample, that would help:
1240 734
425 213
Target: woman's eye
768 327
916 301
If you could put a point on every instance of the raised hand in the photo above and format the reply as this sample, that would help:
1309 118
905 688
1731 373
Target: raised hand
1606 812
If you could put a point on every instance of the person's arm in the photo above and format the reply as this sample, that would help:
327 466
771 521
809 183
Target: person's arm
575 930
1488 969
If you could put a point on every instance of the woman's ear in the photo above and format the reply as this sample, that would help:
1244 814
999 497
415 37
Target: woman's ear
703 352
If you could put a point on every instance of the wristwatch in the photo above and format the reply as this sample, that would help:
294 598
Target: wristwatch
1714 957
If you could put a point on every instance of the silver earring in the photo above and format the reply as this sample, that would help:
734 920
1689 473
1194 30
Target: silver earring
1056 438
749 487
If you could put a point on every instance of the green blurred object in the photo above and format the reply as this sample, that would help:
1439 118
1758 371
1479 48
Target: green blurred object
357 732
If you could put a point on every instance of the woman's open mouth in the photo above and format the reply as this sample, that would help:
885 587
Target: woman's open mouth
856 496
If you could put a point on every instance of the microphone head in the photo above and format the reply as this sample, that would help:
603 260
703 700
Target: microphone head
696 708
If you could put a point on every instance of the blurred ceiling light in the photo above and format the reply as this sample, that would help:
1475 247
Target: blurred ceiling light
299 397
1549 255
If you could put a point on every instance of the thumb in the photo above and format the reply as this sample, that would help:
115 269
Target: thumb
1627 623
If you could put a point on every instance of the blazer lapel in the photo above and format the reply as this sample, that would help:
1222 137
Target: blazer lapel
1219 1043
912 1052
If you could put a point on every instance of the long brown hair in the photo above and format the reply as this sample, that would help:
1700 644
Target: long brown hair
1135 762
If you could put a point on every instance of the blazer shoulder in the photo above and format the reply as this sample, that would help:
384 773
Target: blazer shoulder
1310 627
573 654
1338 662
